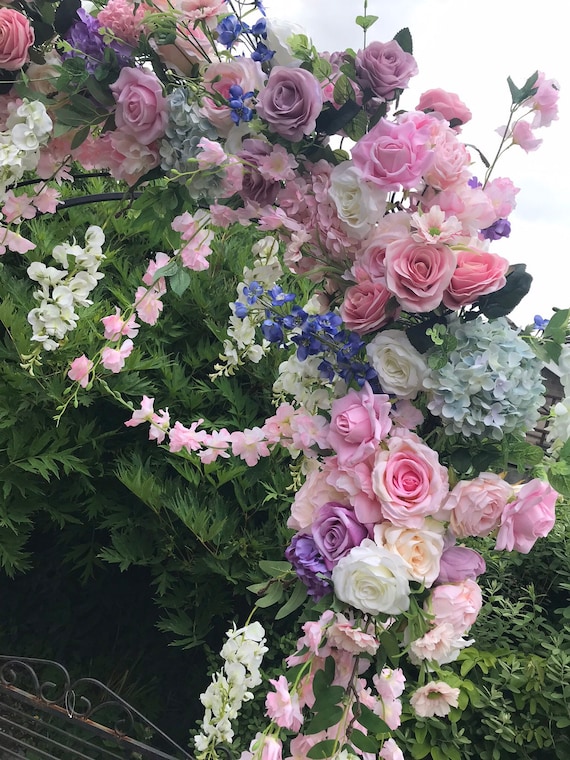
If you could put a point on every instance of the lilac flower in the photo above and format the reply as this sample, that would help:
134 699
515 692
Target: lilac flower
84 37
309 565
499 229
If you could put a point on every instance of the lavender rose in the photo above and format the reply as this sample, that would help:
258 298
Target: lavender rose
291 102
385 68
336 531
459 563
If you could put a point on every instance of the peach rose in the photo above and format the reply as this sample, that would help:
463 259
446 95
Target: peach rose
16 37
477 505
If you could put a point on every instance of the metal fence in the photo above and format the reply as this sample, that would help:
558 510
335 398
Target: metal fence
44 715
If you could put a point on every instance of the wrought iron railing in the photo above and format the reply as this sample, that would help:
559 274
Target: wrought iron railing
44 715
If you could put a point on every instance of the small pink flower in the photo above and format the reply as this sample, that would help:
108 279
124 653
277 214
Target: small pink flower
17 207
46 199
114 358
249 445
435 698
80 369
524 136
217 444
116 327
159 426
160 261
344 634
144 414
211 154
190 439
282 707
391 751
148 304
389 683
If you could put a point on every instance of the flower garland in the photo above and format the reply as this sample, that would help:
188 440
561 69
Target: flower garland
404 393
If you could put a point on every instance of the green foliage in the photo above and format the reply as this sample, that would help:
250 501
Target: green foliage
115 498
516 678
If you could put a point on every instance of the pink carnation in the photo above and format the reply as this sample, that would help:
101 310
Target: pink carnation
124 19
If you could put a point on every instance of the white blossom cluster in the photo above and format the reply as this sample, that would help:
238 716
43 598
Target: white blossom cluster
302 380
241 342
62 290
559 423
231 686
27 129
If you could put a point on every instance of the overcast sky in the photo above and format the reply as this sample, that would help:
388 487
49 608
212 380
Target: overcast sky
470 48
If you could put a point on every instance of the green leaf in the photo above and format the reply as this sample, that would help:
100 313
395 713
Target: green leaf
557 326
322 69
404 40
324 719
80 136
371 721
180 281
273 596
324 749
331 696
364 742
503 301
365 22
275 568
419 751
294 602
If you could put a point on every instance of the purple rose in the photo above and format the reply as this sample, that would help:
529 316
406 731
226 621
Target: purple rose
384 67
255 186
458 563
309 565
336 531
291 102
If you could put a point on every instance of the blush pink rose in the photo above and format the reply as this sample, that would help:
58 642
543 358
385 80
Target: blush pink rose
418 274
366 307
16 37
393 156
385 68
477 274
455 604
448 104
291 102
409 480
451 161
142 109
476 505
530 516
359 421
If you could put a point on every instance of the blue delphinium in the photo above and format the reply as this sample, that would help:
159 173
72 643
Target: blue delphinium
491 384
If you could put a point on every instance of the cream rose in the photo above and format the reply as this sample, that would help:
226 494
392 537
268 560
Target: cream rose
358 204
372 579
421 549
401 369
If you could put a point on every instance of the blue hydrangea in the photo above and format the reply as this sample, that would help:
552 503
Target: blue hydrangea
491 384
185 128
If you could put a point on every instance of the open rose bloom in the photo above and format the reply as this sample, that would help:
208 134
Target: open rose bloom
403 392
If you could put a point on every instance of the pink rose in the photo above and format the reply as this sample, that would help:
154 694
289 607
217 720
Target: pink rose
16 37
393 156
385 68
359 421
336 531
448 104
365 307
142 110
477 505
458 563
455 604
408 480
418 274
291 102
477 274
451 161
530 516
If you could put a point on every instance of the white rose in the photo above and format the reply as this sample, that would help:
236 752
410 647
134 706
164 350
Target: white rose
421 550
372 579
358 204
401 369
278 33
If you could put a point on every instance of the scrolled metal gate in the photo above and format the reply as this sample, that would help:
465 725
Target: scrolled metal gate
44 715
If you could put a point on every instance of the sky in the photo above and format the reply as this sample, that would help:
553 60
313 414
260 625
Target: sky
471 49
